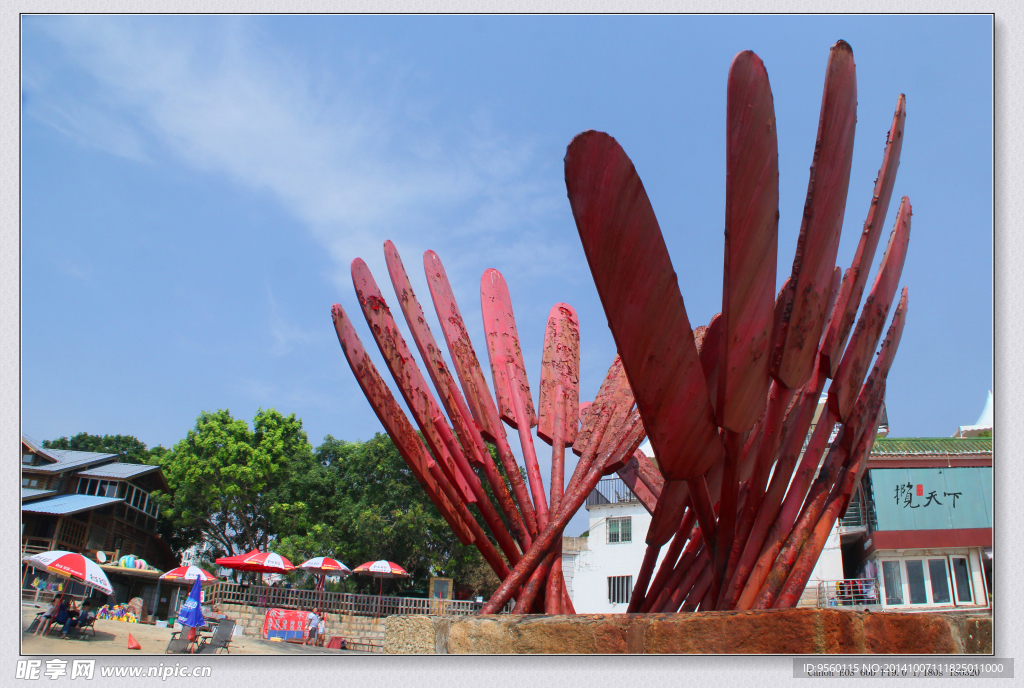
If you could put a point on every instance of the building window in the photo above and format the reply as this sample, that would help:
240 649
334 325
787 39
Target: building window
893 582
619 589
620 530
918 581
940 581
962 575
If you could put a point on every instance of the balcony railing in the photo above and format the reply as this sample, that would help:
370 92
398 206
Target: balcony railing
848 592
611 491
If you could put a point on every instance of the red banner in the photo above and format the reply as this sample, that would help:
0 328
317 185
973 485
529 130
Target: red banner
285 623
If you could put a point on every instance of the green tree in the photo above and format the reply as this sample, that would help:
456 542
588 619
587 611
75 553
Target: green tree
127 447
360 502
226 479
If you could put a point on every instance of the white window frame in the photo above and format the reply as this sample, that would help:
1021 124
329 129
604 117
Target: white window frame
905 581
618 521
970 581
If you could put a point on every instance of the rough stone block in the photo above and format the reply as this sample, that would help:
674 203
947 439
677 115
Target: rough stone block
776 631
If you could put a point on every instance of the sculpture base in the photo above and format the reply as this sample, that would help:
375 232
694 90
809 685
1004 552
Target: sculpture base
775 631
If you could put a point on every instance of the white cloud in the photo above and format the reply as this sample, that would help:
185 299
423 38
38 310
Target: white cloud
343 149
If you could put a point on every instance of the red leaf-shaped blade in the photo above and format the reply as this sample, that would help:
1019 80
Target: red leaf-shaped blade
796 347
560 370
405 372
852 289
408 443
630 474
883 363
850 372
579 445
751 244
474 387
710 350
475 451
503 348
433 359
640 294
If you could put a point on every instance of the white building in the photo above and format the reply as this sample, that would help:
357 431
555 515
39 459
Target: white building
600 568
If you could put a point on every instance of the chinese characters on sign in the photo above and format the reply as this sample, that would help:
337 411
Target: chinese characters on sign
906 492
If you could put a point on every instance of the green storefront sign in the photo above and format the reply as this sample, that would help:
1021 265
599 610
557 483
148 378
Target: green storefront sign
932 498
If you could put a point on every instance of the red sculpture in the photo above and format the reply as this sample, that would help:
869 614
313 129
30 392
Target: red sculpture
725 405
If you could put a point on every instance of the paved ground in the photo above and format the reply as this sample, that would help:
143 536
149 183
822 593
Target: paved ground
112 639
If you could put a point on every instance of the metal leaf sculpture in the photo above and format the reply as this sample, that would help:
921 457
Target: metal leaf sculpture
726 406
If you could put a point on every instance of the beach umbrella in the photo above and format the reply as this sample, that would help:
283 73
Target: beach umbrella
257 561
73 566
191 613
190 573
323 567
381 569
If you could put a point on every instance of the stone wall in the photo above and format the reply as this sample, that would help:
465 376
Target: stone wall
776 631
250 619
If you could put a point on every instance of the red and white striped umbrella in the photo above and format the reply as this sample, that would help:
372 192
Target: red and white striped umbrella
381 569
74 566
260 562
325 566
190 573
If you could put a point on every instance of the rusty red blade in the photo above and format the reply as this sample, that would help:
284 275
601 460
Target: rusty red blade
796 347
854 364
408 443
560 373
585 429
464 358
405 372
451 399
671 506
856 277
668 513
434 361
640 294
474 387
515 403
630 474
602 416
710 349
751 244
503 349
883 363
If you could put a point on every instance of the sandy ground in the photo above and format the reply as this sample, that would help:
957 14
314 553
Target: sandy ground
112 639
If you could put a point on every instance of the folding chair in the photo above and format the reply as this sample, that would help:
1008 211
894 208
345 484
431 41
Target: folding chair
182 640
221 638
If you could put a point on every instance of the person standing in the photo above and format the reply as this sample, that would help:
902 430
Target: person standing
313 624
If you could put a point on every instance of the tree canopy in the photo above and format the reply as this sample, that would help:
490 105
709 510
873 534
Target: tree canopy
226 479
238 488
362 503
127 447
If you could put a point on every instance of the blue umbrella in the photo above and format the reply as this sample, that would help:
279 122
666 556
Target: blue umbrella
191 613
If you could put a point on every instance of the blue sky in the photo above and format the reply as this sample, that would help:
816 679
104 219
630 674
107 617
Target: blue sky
194 189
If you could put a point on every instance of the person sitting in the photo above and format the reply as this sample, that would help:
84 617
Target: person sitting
47 618
313 622
72 621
